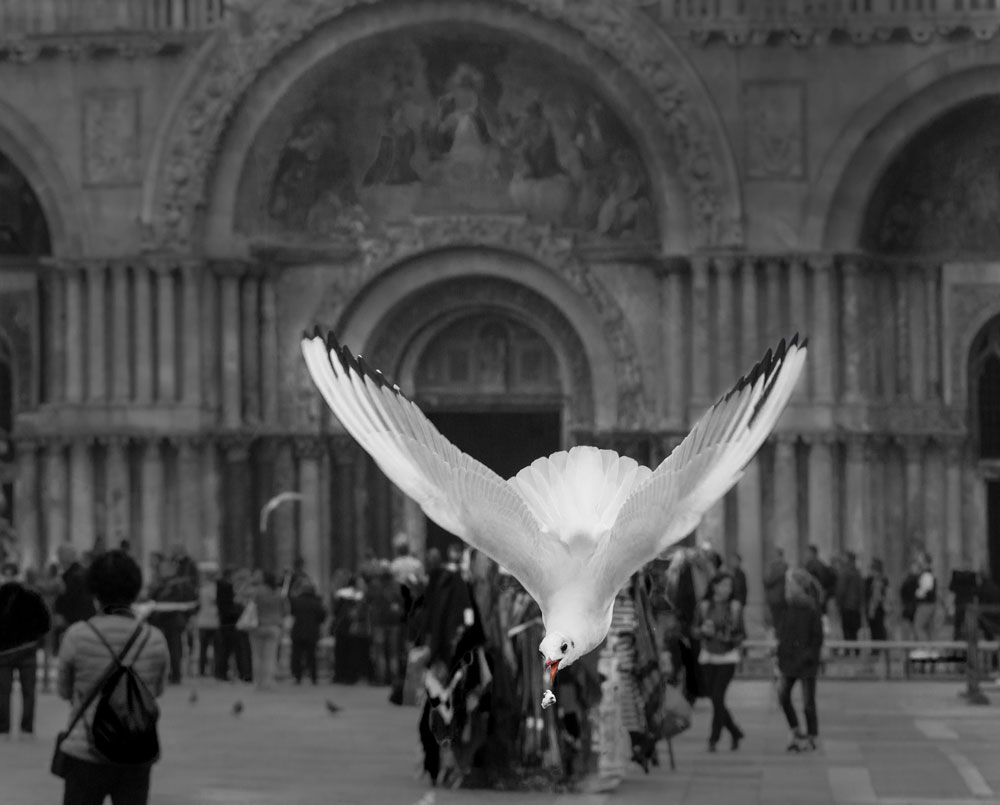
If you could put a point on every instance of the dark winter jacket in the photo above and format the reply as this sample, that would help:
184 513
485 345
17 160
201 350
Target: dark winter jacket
800 640
24 620
850 590
75 603
308 614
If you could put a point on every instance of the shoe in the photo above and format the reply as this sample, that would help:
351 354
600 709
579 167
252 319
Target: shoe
811 743
711 746
799 743
738 736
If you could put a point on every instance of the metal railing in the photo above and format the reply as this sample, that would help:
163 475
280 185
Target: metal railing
69 17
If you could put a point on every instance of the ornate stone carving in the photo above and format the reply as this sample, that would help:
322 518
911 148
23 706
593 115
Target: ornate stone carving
774 129
16 323
255 37
111 139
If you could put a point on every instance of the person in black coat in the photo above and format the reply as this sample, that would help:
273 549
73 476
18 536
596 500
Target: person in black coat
308 614
74 603
800 642
24 622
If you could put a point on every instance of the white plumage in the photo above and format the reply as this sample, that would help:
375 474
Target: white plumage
572 527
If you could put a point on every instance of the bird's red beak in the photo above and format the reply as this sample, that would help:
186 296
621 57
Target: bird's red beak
552 666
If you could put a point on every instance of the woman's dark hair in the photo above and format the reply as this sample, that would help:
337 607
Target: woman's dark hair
114 579
717 579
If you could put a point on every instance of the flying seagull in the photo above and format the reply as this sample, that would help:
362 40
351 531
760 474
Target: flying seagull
572 527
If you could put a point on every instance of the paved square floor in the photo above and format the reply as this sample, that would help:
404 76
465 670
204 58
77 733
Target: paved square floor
915 743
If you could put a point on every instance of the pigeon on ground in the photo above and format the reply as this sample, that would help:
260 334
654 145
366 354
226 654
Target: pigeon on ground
237 708
193 697
331 708
575 526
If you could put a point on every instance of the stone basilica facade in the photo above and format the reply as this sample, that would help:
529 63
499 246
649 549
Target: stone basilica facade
551 222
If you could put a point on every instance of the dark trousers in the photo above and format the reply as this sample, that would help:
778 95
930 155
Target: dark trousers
850 622
207 638
876 624
808 685
716 679
89 783
304 659
26 666
175 646
689 649
232 643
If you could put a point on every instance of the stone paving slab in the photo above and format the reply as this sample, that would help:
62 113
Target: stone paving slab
889 743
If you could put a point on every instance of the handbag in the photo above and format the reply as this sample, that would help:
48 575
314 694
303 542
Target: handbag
58 764
248 618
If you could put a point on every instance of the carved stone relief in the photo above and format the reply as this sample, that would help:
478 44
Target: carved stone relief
774 129
255 37
111 137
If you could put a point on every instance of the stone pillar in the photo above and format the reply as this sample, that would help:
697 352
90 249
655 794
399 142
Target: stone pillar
875 460
934 510
856 518
251 343
97 378
81 495
820 495
918 334
750 542
957 554
232 389
913 449
852 345
167 333
701 352
799 319
932 298
54 509
121 336
190 493
725 325
211 494
282 523
821 362
55 330
672 331
151 503
118 492
749 325
786 497
270 377
974 521
26 505
193 340
211 376
238 521
774 318
308 452
74 336
145 359
344 451
899 285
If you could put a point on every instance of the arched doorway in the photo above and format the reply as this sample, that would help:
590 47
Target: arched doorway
23 228
491 385
984 399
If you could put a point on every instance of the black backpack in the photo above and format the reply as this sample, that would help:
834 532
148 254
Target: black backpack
124 726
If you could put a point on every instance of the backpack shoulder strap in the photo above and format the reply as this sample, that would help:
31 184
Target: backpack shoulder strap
119 657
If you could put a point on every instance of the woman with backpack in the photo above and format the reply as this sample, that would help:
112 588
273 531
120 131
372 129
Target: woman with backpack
720 628
91 756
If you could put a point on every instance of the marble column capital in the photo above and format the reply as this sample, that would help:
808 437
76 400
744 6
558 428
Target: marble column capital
27 444
163 264
913 445
187 441
344 449
669 267
821 264
851 265
726 264
309 447
113 440
772 266
783 438
814 438
700 264
234 269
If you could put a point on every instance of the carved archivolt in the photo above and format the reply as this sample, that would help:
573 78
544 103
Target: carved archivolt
255 37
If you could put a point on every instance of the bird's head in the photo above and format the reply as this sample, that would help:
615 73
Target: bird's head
559 650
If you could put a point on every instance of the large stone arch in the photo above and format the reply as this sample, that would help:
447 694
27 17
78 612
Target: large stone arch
61 202
260 52
852 169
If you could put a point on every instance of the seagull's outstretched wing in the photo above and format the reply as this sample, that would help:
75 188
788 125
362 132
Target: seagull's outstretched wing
706 465
456 491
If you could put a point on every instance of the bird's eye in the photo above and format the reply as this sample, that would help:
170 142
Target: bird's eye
564 648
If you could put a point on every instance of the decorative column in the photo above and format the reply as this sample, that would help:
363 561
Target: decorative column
190 491
774 319
913 449
211 494
166 333
193 340
282 522
786 497
251 347
54 480
81 495
749 324
308 451
750 542
876 525
672 333
344 451
211 376
899 283
958 555
725 324
270 378
798 314
856 519
145 359
821 361
118 493
239 523
97 379
932 298
151 500
232 390
121 341
851 330
918 333
55 375
820 481
26 504
701 352
74 336
934 509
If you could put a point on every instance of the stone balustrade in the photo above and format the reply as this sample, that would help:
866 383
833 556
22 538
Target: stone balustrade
51 17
